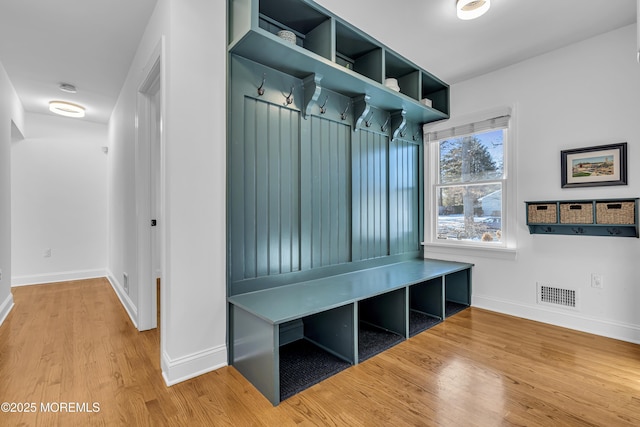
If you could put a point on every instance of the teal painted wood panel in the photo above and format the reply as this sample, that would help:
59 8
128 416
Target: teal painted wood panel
404 197
329 195
309 194
370 195
271 189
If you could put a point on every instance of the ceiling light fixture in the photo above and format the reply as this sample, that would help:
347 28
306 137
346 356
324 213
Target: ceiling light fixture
472 9
66 87
66 109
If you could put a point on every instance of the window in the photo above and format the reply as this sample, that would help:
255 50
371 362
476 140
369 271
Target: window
468 188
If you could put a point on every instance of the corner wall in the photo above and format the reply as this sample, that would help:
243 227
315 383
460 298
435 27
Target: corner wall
11 128
193 290
582 95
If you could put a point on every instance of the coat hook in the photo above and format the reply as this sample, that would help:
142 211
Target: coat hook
290 97
367 122
384 126
261 88
323 107
415 136
343 115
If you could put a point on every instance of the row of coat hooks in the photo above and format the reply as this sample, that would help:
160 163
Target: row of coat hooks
343 116
288 99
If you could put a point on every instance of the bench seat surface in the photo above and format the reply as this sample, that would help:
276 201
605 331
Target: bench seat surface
282 304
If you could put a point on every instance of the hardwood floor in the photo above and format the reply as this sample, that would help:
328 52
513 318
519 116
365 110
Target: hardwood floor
73 342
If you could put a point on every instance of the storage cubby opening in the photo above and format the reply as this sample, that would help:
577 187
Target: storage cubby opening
304 364
435 91
373 340
381 323
357 52
407 75
311 27
314 348
425 304
457 292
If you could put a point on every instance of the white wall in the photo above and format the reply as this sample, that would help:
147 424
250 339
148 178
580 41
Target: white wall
58 200
193 306
583 95
11 128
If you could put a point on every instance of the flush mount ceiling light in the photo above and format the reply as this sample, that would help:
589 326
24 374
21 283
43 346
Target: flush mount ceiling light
472 9
66 87
66 109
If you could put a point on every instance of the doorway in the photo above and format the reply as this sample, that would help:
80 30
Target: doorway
149 200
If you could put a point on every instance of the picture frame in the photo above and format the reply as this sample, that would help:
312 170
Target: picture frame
596 166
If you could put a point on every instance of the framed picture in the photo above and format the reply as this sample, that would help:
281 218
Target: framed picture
594 166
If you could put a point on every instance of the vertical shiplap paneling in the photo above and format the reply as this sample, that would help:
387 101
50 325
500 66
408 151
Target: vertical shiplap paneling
271 193
370 201
329 198
404 197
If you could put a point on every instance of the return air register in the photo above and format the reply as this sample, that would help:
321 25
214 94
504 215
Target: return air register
549 295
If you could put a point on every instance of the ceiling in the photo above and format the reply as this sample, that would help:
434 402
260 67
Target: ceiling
91 43
88 43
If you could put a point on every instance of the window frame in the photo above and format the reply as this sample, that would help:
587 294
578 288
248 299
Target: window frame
432 184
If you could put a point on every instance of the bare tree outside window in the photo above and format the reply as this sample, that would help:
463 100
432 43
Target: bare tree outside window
469 193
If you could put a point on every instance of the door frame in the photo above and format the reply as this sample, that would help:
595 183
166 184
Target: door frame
152 83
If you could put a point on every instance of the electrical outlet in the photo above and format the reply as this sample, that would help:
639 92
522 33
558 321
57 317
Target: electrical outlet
47 253
597 281
125 283
0 275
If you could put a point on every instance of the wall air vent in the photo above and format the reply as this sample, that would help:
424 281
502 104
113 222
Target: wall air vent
550 295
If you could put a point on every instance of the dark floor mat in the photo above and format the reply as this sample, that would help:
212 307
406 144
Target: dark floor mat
373 340
303 364
453 308
419 321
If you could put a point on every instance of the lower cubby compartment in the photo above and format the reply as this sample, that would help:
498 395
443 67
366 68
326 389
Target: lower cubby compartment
457 292
373 340
304 364
381 323
425 305
314 348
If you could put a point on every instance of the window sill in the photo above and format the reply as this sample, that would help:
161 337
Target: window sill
470 250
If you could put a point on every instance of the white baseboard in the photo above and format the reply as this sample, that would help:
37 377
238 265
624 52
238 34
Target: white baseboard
6 307
126 302
184 368
563 318
64 276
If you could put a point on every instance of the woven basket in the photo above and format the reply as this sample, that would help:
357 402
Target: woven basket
615 212
576 213
543 213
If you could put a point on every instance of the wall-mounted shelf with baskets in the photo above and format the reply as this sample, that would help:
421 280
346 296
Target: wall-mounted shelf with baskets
603 217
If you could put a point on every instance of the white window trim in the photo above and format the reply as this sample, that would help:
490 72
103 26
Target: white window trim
508 248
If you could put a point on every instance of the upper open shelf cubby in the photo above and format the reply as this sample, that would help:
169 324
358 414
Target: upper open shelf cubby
356 52
406 74
342 58
311 27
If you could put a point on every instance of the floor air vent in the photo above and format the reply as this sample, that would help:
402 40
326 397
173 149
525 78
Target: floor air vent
556 296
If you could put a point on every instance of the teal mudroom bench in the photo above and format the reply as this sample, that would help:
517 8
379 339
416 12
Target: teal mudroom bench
287 338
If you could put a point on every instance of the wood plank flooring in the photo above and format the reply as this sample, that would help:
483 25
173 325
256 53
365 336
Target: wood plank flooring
73 342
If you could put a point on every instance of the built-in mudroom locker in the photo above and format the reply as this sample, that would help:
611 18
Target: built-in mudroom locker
310 186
